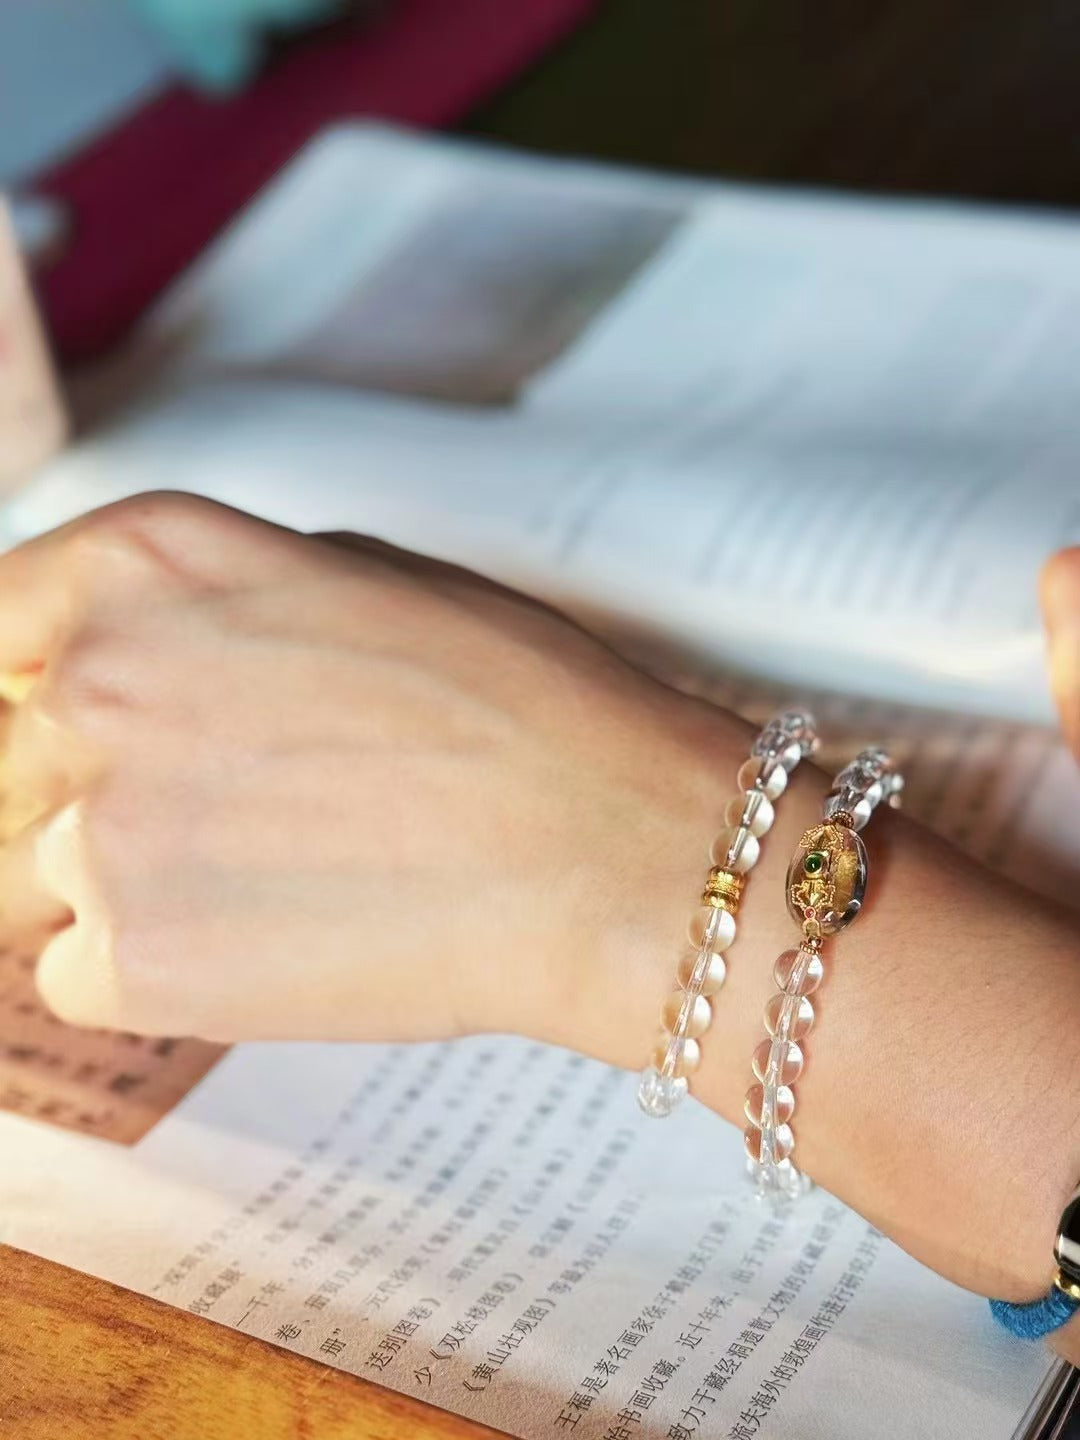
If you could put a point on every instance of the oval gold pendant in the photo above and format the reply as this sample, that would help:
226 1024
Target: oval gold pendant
826 880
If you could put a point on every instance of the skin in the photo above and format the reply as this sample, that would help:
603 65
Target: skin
273 786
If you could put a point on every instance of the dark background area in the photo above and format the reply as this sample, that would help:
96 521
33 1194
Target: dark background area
918 96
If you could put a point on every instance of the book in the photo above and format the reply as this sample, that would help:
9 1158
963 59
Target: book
639 397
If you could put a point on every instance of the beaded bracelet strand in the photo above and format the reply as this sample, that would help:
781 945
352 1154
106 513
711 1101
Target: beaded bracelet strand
788 738
826 883
1062 1300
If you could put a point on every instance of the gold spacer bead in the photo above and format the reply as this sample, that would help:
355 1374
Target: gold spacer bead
723 890
842 817
1067 1286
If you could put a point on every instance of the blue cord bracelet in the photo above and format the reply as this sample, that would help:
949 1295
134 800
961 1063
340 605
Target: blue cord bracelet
1062 1301
1038 1319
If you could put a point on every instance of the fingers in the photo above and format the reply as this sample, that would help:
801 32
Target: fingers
14 688
31 908
1061 609
76 977
43 767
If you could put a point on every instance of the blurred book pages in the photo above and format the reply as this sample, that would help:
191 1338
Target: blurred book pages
853 425
773 446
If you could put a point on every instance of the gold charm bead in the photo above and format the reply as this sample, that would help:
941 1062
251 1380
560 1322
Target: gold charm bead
723 890
826 879
1067 1286
825 886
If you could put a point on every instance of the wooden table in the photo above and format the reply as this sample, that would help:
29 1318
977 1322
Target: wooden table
920 95
82 1360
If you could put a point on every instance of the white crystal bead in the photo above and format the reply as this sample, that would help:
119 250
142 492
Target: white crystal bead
790 1016
856 806
753 808
797 972
790 756
687 1015
708 973
857 776
755 1102
659 1094
874 759
718 925
775 781
676 1057
757 1143
736 849
779 1182
790 1066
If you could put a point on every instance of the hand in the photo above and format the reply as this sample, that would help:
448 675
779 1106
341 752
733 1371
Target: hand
295 788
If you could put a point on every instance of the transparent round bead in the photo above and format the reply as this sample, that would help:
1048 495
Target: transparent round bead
783 1142
799 969
801 726
775 782
857 776
787 728
791 1062
699 1017
854 804
790 756
754 1104
687 1055
780 1182
874 759
659 1094
736 849
755 808
714 975
802 1015
719 925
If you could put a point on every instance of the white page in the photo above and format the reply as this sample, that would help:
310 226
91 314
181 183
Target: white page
828 439
483 1224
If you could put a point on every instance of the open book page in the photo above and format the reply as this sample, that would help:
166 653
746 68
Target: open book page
492 1226
825 439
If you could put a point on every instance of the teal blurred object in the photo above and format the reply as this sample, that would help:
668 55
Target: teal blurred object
219 44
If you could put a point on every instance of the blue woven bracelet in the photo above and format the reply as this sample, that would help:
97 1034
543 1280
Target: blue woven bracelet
1062 1301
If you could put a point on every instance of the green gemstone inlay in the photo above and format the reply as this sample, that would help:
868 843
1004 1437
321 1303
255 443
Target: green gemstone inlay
814 862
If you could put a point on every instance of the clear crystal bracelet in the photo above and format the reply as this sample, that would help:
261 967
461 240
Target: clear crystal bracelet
1062 1301
788 738
826 883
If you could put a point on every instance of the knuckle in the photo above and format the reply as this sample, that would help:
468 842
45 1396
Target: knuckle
93 681
162 528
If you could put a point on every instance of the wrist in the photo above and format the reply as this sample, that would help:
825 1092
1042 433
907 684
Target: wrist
939 1033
